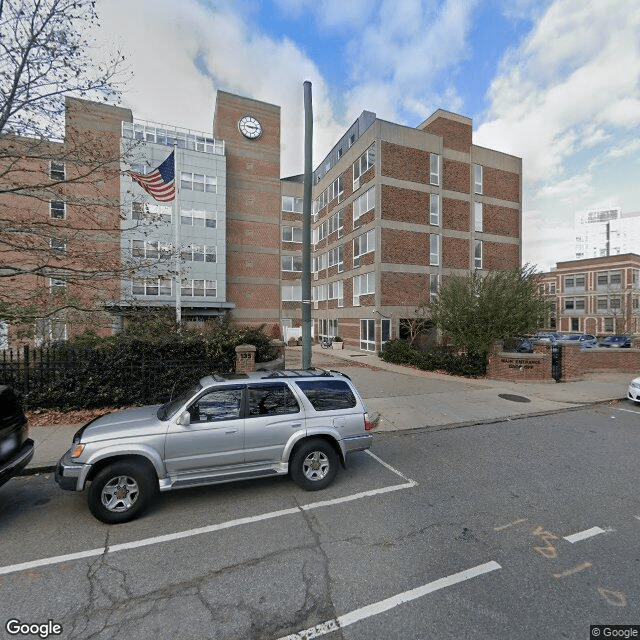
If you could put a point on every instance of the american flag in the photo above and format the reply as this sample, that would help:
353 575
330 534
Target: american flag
160 183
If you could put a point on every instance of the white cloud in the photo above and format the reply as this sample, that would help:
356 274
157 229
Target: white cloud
569 191
579 66
181 53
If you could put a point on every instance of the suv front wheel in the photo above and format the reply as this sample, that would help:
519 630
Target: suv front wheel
314 465
120 492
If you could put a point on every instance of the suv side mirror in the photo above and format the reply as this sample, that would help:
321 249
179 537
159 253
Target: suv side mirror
185 419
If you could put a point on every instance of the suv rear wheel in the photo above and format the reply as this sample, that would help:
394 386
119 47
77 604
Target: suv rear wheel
314 465
120 492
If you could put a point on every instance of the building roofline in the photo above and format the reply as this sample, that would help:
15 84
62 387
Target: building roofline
449 115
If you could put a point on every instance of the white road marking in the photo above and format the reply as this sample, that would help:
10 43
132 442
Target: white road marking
179 535
627 410
583 535
390 603
510 524
388 466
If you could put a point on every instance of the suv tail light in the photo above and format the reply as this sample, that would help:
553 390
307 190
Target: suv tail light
368 425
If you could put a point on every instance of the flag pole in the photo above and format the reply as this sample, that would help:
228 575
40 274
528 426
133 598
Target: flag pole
177 240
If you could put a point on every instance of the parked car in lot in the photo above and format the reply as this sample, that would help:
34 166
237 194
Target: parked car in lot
586 340
16 448
633 393
616 341
547 336
222 429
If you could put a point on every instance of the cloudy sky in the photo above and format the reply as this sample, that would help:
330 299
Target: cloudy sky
555 82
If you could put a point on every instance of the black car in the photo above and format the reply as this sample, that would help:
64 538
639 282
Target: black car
16 448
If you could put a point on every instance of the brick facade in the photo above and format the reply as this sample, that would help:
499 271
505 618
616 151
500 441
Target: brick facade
600 296
402 221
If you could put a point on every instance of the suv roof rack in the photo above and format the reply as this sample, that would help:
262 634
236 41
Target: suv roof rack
298 373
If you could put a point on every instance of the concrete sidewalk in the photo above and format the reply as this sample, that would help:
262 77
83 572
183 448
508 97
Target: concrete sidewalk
401 398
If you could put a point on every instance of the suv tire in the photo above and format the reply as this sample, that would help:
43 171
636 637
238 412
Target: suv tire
314 465
121 491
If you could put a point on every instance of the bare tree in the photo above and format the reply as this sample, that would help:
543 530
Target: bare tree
60 209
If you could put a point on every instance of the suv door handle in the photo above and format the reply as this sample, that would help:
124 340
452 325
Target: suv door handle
230 431
296 425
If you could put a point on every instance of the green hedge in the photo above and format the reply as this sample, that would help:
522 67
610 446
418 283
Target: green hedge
434 359
128 369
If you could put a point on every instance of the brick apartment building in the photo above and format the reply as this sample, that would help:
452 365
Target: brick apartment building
396 210
599 296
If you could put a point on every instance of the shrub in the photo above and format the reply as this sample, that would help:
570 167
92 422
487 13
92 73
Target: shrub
434 358
135 367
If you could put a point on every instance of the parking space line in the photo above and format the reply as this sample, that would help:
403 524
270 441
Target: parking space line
390 603
179 535
583 535
627 410
388 466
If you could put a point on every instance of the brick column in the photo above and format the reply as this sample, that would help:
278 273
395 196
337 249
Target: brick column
245 358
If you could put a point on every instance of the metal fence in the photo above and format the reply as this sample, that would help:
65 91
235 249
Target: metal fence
51 377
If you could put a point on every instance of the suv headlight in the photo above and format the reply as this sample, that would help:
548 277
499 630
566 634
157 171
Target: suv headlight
76 450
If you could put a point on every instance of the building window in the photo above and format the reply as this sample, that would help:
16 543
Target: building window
291 263
602 304
477 254
151 287
477 178
57 285
552 288
58 209
336 258
434 209
575 324
385 331
291 234
361 205
49 330
368 335
363 285
199 253
58 246
198 182
477 216
291 203
362 165
335 292
606 279
57 170
336 223
198 218
4 335
608 325
434 249
434 286
291 293
434 169
150 212
199 288
574 304
366 243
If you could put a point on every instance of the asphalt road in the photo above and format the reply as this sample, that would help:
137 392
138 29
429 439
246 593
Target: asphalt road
528 528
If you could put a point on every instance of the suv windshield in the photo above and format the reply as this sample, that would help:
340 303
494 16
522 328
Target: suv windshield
168 410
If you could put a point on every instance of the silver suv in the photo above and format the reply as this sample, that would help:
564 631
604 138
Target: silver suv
300 422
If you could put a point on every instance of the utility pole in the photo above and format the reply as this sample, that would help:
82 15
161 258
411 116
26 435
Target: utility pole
306 228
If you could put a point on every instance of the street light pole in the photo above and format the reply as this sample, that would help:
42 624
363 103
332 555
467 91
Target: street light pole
306 228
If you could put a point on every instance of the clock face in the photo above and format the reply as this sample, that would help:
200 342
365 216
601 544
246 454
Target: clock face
249 127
